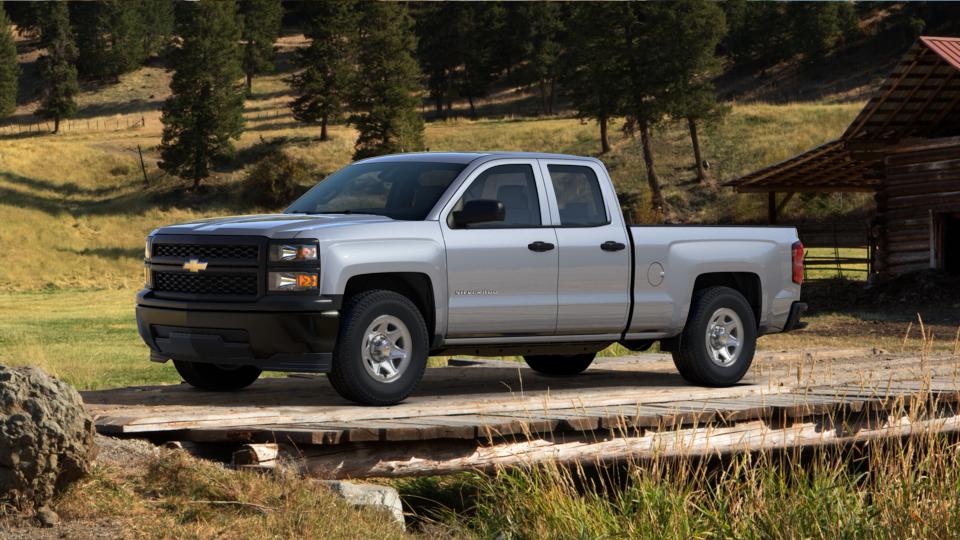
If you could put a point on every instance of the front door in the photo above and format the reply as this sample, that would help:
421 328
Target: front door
502 276
594 275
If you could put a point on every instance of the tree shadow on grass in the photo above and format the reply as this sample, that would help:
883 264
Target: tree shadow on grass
274 126
115 253
255 152
68 188
131 199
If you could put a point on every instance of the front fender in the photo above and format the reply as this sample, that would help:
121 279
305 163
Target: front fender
345 259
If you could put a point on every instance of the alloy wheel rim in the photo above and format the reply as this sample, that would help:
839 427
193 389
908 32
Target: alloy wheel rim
724 337
386 348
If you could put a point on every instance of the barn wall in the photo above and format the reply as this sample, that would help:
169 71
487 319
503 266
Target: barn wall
920 182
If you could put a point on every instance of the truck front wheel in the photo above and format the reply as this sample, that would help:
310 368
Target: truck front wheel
716 347
381 350
560 365
215 376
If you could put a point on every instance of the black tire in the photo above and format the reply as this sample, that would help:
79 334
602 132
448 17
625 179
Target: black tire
349 375
560 365
216 377
694 355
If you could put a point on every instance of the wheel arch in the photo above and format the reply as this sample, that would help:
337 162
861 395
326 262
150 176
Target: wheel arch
746 283
416 286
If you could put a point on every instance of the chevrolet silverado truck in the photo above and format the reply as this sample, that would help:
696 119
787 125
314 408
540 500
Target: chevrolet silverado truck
393 259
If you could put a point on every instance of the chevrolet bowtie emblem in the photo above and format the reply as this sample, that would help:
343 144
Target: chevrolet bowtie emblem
194 265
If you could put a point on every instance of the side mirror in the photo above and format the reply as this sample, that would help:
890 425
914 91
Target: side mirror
479 211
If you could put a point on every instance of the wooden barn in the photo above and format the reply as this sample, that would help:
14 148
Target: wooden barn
904 146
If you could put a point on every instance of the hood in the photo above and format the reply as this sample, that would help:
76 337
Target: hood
269 225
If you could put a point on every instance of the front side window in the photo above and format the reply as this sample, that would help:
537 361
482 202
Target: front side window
579 199
399 189
512 185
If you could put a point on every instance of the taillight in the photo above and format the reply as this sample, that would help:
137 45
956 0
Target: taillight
797 262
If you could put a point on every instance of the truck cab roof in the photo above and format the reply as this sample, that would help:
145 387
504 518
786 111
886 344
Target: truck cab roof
470 157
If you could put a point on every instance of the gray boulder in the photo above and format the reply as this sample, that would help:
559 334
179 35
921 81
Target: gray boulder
379 498
46 437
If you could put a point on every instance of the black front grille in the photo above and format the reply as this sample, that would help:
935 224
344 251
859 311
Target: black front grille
234 284
244 252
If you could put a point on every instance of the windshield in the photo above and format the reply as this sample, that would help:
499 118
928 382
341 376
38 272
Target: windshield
399 189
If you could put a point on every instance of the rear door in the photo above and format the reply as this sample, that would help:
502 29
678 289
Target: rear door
593 291
502 276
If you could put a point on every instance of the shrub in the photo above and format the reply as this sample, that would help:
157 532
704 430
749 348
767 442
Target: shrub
276 180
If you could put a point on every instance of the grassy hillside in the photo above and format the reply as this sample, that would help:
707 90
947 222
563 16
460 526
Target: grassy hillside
79 201
74 207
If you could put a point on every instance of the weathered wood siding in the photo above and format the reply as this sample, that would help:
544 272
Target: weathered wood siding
921 181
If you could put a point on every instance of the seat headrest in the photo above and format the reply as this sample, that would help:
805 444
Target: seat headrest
512 196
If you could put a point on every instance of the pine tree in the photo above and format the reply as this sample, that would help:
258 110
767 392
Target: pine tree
436 29
594 74
326 65
474 50
457 50
117 36
383 98
513 43
9 68
206 109
58 75
815 29
261 26
697 27
756 31
108 36
545 49
156 25
646 77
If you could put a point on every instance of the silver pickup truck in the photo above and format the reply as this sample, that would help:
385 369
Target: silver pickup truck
394 259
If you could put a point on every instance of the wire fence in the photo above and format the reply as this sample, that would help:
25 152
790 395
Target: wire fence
112 123
73 125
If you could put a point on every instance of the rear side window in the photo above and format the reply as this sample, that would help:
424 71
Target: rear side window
578 196
515 187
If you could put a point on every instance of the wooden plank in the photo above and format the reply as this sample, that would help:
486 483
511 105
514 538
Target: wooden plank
730 410
567 419
282 433
799 406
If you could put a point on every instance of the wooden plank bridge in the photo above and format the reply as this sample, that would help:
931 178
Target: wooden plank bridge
486 414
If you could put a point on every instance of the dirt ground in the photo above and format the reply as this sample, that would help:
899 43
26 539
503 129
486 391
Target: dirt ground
888 315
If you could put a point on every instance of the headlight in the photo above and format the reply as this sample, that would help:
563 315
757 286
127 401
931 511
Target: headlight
293 252
292 281
146 249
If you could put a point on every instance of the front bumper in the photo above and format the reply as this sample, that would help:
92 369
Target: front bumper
793 320
271 340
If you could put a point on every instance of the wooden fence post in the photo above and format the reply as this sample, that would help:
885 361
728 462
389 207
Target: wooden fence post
143 167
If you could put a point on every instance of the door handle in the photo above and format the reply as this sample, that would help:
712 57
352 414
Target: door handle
540 246
610 245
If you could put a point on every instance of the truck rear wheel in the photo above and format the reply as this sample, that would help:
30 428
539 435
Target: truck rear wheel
215 376
382 349
717 345
560 365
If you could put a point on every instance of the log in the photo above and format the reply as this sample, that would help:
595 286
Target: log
451 456
259 455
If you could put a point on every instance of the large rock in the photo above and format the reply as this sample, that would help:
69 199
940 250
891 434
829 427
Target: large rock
46 437
380 498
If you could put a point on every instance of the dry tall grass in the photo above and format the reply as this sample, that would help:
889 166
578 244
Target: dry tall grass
885 489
